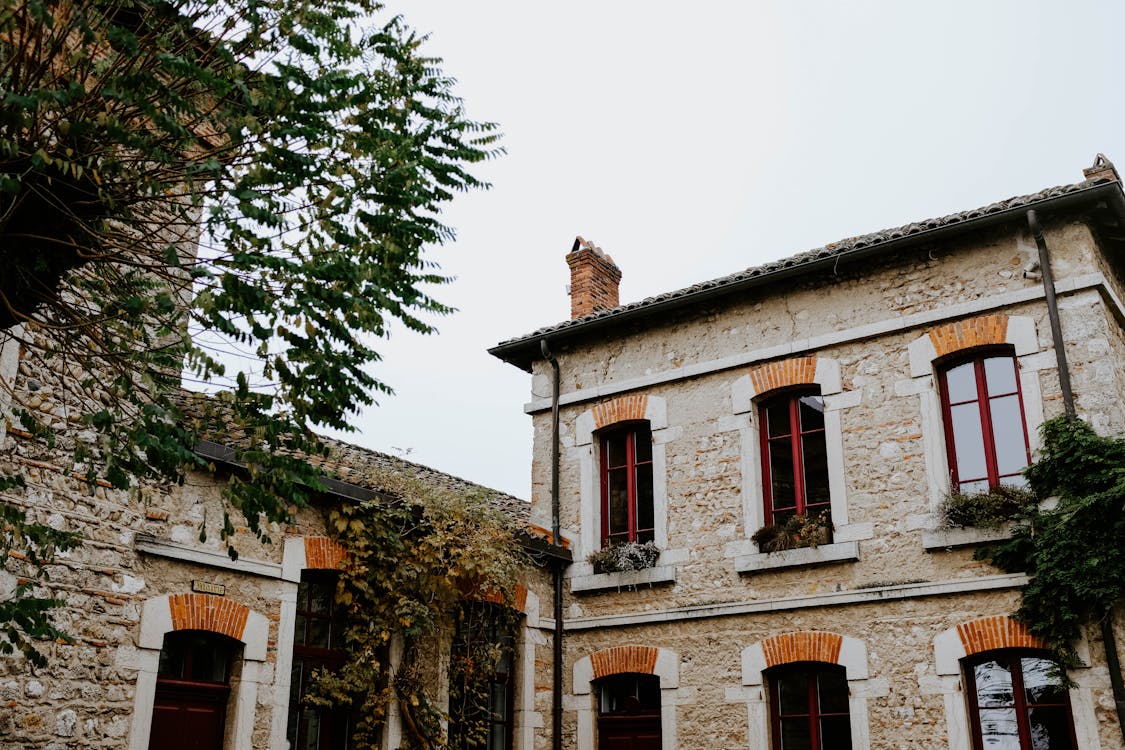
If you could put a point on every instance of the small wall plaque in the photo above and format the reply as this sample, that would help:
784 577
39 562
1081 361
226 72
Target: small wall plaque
203 587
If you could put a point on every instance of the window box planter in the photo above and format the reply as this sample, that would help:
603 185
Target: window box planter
939 539
660 574
836 552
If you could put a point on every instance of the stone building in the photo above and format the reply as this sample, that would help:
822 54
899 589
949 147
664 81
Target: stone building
824 407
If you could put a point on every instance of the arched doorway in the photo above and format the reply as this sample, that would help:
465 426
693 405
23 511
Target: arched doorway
192 691
629 712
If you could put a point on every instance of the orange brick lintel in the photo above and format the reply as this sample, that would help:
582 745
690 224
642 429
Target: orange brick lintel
984 330
624 659
622 409
321 553
807 645
995 632
207 612
783 373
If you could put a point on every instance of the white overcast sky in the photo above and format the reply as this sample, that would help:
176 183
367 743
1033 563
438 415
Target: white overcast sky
692 140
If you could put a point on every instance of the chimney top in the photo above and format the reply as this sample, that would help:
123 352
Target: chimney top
1101 169
594 279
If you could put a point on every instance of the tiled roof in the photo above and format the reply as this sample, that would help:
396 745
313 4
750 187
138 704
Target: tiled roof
348 463
810 257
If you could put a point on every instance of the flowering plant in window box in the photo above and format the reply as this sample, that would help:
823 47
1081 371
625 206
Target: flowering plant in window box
988 510
804 530
624 556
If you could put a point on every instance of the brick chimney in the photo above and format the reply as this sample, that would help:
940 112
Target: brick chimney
1102 168
593 279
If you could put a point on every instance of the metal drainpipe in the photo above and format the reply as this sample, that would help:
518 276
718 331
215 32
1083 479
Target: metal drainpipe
1109 638
556 538
1052 311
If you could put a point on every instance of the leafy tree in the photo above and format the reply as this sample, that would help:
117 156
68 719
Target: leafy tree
184 178
1072 552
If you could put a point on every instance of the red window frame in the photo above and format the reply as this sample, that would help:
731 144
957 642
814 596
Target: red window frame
1021 706
983 399
811 672
635 494
795 434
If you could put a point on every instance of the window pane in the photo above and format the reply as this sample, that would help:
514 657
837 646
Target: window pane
777 417
1041 681
816 468
643 449
644 497
795 734
781 473
793 693
618 502
318 632
994 684
303 595
300 637
497 737
498 702
812 413
320 597
833 692
998 729
1000 375
1049 728
835 733
961 381
970 488
1007 430
968 442
615 449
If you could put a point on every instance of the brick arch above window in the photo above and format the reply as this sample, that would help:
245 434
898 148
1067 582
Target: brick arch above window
164 614
983 634
631 659
807 645
622 409
1017 331
785 373
322 553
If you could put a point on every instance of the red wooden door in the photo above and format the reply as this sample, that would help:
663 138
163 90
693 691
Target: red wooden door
192 691
188 717
629 733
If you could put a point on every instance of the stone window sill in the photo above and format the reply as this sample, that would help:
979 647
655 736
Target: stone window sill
793 558
939 539
629 579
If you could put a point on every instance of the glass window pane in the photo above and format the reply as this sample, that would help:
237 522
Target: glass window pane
994 684
618 501
300 637
781 473
835 733
645 518
998 729
815 458
498 701
832 688
777 417
643 449
1049 728
970 488
961 382
1041 681
318 632
793 693
615 449
1000 375
497 737
968 442
296 687
796 734
303 595
320 597
812 413
1007 431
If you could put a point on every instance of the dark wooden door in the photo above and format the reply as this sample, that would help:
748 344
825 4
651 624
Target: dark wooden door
188 717
629 733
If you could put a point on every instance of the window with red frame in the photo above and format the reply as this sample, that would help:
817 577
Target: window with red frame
318 643
626 465
1017 701
794 457
985 431
809 707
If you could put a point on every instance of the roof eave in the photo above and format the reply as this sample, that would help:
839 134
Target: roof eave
524 351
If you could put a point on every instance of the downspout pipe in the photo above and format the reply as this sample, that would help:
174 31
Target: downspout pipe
1109 638
1052 312
556 538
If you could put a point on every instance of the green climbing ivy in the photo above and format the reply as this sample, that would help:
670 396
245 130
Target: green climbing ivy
1073 553
416 556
